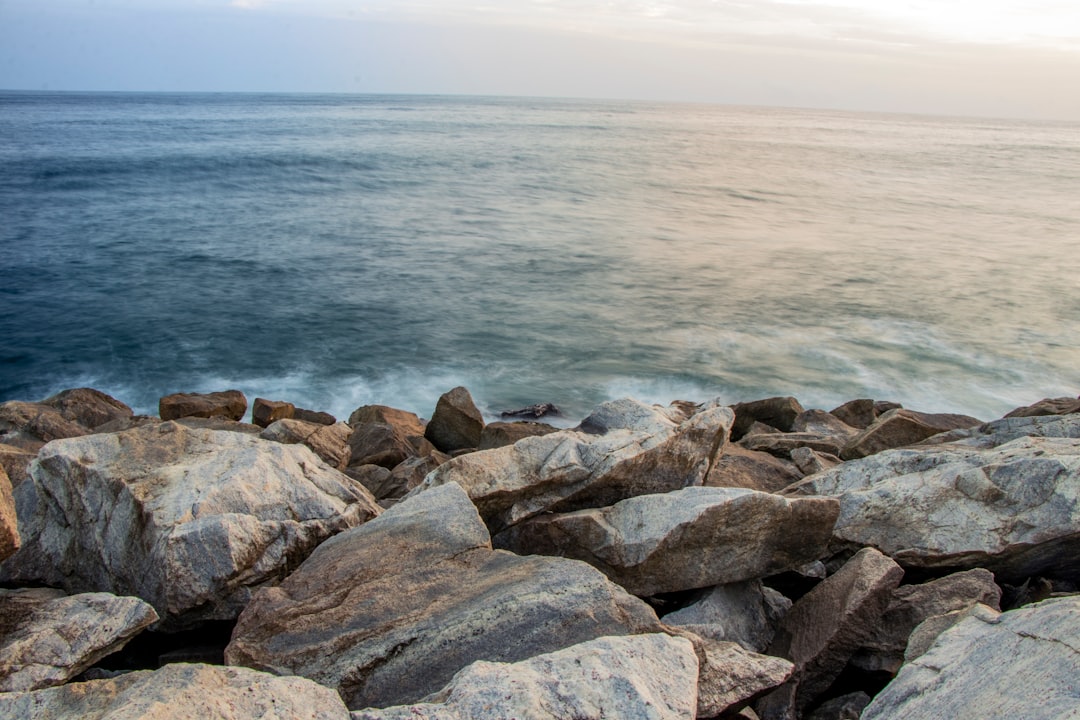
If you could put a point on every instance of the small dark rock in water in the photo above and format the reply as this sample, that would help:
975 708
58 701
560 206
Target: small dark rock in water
534 411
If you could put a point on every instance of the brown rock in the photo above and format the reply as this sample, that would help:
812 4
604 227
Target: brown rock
810 461
329 442
859 414
738 467
30 425
373 477
88 407
779 412
731 676
457 423
900 427
16 462
823 423
264 412
229 404
9 524
386 436
1048 406
500 434
781 444
314 416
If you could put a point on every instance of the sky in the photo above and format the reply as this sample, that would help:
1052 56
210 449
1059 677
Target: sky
991 58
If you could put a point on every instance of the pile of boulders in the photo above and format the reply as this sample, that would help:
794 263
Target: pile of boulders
756 560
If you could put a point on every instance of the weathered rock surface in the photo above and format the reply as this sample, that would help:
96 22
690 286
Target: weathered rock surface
88 407
1022 664
536 411
266 412
646 677
16 463
746 613
845 707
388 612
500 434
778 412
47 637
731 676
189 520
782 444
456 424
826 626
627 448
1048 406
912 604
1013 509
229 404
180 692
735 466
999 432
329 442
28 426
9 519
691 538
899 428
861 413
926 633
810 461
386 436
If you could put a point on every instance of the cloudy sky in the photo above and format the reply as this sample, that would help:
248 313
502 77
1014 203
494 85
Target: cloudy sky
999 58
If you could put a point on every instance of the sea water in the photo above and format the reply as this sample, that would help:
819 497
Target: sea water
336 250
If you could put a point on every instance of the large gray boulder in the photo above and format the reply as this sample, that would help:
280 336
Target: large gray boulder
625 448
691 538
180 692
746 613
642 677
1019 664
1013 509
189 520
388 612
47 637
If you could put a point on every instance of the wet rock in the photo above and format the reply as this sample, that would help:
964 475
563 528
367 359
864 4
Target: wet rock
265 412
230 404
386 436
746 613
535 412
1048 406
690 538
1024 663
189 520
329 442
810 461
778 412
736 466
643 676
500 434
9 522
388 612
47 637
456 423
180 692
88 407
899 428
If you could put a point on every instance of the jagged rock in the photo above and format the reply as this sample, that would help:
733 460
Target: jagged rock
47 637
456 423
899 428
314 416
779 412
388 612
88 407
845 707
1022 664
811 461
1013 509
823 423
731 676
409 474
266 412
859 414
375 478
500 434
746 613
999 432
1048 406
826 626
735 466
230 404
180 692
912 604
626 448
926 633
28 426
329 442
16 463
386 436
9 521
782 444
534 411
690 538
189 520
646 677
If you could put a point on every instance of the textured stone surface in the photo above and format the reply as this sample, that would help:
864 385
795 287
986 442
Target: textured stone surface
926 633
1048 406
1013 509
329 442
266 412
777 412
456 423
845 707
690 538
189 520
811 461
782 444
180 692
229 404
992 434
88 407
643 677
9 520
738 467
500 434
627 449
16 463
746 613
47 637
388 612
385 436
859 414
1021 664
731 676
28 426
899 428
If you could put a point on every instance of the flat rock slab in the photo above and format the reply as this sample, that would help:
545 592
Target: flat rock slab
388 612
180 692
1019 664
1013 509
47 637
627 449
229 404
641 677
189 520
691 538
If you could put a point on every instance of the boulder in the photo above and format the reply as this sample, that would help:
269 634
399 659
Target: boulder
215 423
265 412
16 463
180 692
88 407
900 427
329 442
409 474
388 612
992 434
375 478
47 637
625 448
691 538
1048 406
810 461
782 444
883 651
500 434
189 520
314 416
385 436
859 414
639 677
229 404
456 423
1021 664
1013 509
746 613
9 519
735 466
731 676
926 633
28 426
779 412
825 627
820 422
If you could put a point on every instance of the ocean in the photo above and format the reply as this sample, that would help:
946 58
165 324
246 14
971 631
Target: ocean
337 250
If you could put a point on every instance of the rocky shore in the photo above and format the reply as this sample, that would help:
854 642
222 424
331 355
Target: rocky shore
756 560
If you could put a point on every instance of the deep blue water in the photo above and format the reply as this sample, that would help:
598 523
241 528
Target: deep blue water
341 250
